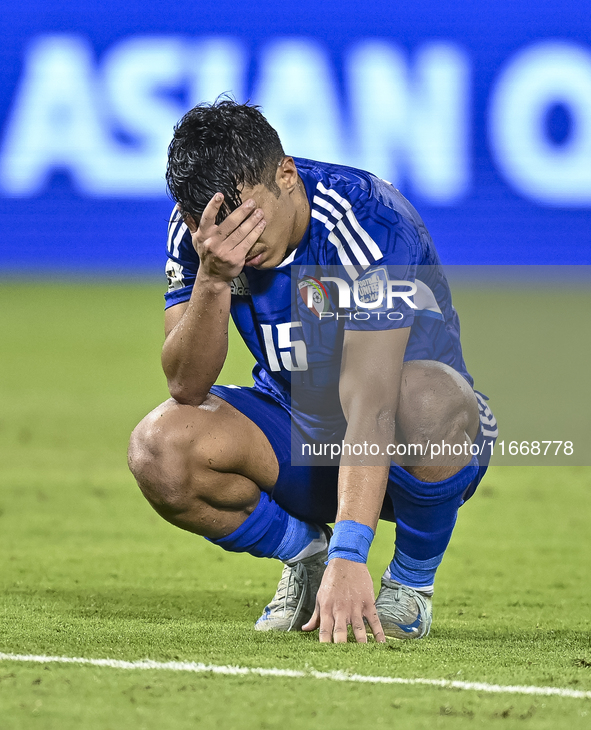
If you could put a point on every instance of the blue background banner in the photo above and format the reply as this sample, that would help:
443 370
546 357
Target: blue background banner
479 112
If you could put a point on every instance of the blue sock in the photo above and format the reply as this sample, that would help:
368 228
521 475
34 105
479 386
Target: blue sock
426 514
270 532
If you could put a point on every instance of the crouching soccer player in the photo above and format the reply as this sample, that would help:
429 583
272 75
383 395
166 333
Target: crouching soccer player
217 461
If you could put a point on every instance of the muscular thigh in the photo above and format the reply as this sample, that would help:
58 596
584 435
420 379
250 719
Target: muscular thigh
216 437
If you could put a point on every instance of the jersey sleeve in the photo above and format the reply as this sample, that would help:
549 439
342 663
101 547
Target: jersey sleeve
382 299
182 262
385 248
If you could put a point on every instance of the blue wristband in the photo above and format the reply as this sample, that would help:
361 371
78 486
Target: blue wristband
351 541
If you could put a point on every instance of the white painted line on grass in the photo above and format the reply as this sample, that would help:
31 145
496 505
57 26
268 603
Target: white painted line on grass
198 667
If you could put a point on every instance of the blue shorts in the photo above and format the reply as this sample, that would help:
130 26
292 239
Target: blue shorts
310 492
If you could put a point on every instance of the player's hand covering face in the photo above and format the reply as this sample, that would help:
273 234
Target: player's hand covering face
223 250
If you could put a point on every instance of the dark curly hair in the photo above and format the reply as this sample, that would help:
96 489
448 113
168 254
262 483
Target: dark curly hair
220 147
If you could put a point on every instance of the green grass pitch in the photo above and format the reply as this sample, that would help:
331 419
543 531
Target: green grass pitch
88 570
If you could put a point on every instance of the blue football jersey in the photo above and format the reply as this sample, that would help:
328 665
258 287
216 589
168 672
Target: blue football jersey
366 261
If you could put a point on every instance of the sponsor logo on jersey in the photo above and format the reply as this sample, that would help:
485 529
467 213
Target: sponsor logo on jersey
314 295
239 286
369 290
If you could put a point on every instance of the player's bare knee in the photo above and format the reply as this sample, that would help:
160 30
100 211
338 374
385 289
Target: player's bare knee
157 458
436 404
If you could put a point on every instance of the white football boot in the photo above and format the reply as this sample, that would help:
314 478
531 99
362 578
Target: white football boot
405 613
293 604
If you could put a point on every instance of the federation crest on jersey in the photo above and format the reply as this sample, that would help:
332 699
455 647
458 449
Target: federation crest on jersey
314 295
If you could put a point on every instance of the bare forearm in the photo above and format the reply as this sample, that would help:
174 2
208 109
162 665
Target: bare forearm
195 350
196 347
369 388
346 596
363 479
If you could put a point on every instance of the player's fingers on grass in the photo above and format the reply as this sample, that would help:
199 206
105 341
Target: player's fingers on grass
375 625
326 627
339 632
210 212
359 629
314 622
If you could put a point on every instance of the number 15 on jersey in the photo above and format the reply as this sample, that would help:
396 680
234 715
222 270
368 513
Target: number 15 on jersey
293 353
